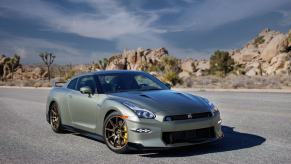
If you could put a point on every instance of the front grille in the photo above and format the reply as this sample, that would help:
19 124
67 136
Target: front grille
190 116
189 136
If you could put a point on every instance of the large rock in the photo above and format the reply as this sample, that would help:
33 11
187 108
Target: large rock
272 53
248 55
136 59
188 65
184 75
277 65
278 44
203 65
253 69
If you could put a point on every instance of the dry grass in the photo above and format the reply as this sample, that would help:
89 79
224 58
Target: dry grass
238 82
26 83
210 82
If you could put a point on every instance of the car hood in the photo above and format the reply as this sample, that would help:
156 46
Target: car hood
164 101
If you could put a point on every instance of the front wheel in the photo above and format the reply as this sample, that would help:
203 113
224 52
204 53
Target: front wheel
55 118
116 133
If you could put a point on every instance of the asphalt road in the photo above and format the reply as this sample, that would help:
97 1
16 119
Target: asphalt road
257 129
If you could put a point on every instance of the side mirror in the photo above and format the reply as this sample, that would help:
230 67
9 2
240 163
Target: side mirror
86 90
168 85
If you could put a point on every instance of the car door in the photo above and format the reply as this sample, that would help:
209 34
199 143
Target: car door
83 107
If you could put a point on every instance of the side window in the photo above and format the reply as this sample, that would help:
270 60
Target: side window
72 84
87 81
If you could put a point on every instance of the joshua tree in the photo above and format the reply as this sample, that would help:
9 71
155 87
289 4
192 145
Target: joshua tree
13 62
102 64
48 59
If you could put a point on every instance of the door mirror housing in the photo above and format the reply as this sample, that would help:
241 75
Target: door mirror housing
86 90
168 85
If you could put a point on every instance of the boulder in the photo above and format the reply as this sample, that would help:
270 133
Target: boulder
203 65
252 72
277 65
200 73
184 75
136 59
253 69
187 65
278 44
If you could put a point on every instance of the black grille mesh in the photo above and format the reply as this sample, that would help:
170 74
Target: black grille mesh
190 136
193 116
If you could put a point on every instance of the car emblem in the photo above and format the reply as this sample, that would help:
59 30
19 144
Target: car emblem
189 116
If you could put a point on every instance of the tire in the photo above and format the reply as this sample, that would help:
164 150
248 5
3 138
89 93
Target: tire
55 118
115 133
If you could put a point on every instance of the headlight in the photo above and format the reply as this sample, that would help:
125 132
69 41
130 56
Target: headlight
140 112
212 107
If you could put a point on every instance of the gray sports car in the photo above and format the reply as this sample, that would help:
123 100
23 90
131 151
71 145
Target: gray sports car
132 109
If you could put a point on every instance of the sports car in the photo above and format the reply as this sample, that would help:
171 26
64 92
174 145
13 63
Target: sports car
132 110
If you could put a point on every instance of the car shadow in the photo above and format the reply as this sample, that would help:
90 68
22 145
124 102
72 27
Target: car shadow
232 140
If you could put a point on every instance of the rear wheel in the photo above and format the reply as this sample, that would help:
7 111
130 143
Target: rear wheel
116 133
55 118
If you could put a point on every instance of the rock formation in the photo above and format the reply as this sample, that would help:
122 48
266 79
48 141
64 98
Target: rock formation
136 59
267 54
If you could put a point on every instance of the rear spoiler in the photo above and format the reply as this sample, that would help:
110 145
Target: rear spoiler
58 83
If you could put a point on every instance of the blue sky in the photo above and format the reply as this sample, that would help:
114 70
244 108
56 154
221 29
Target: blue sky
80 31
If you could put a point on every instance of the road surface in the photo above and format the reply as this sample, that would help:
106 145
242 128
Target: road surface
257 129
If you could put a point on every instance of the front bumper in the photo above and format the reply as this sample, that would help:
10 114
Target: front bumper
158 128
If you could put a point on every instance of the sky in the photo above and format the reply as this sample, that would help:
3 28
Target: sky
81 31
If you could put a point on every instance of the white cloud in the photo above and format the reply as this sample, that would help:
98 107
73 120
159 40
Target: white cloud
152 41
108 22
130 29
29 49
213 13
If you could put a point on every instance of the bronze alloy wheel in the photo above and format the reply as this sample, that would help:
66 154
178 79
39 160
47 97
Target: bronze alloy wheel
115 133
55 118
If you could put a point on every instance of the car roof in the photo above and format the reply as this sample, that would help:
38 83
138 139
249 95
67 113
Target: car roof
104 72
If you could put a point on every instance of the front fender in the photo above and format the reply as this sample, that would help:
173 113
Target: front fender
113 105
57 95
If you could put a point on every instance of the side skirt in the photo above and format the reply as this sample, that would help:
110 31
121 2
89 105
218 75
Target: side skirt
84 133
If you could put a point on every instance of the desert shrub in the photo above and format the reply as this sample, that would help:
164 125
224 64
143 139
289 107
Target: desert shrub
259 40
232 81
154 68
188 82
172 77
27 83
70 74
46 84
239 69
37 84
2 83
221 63
169 65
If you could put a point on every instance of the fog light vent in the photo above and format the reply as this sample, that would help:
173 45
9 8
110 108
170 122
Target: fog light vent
168 118
141 130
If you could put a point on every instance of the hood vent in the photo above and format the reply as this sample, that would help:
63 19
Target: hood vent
145 96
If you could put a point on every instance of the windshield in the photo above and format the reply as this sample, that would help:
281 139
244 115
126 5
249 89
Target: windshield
124 82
